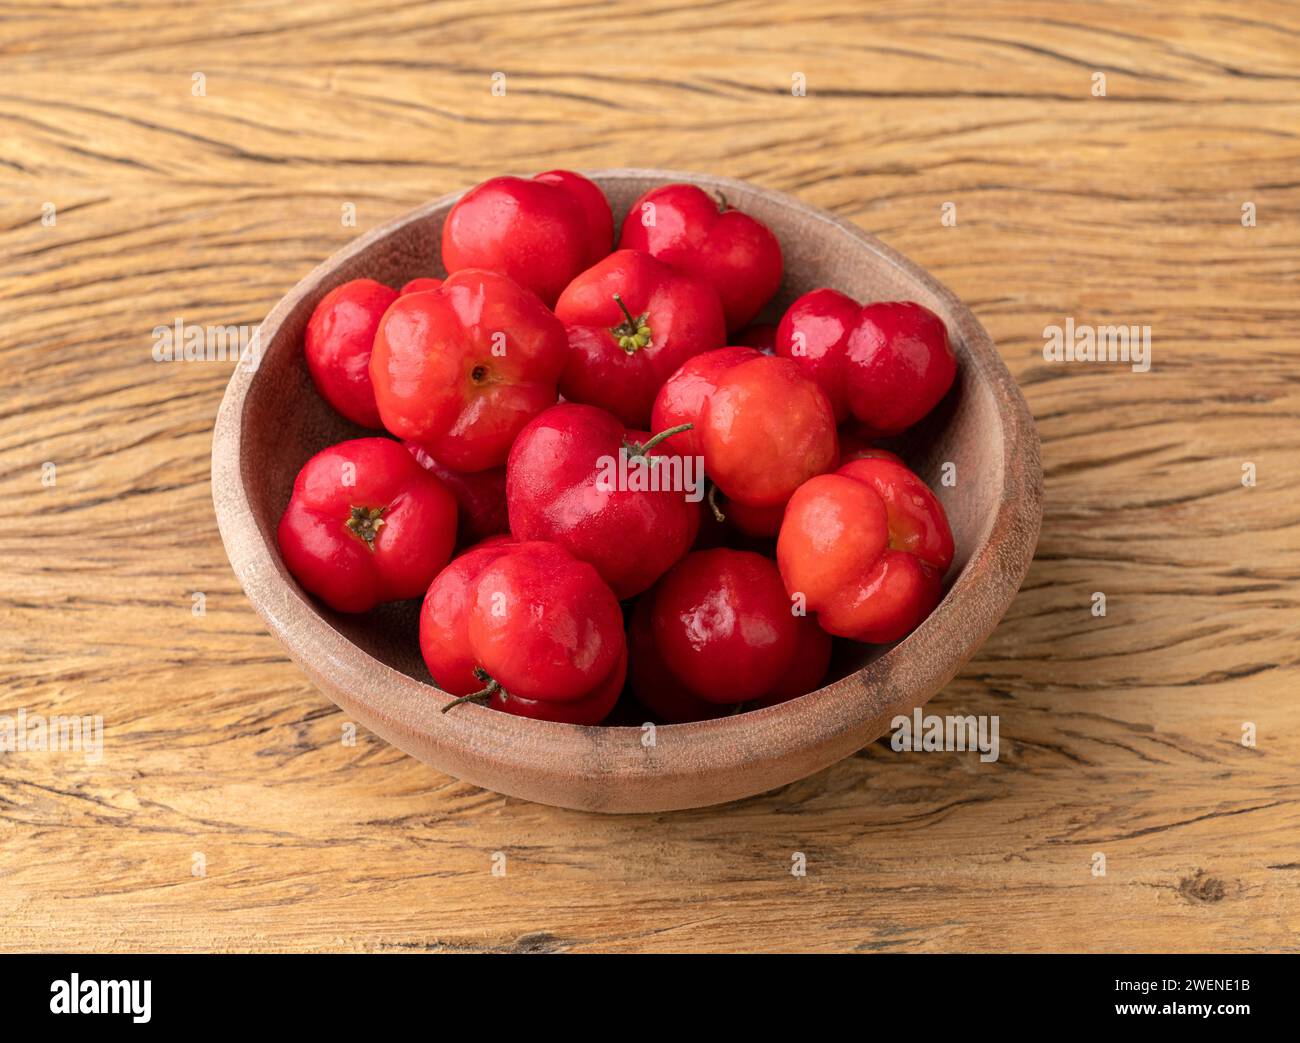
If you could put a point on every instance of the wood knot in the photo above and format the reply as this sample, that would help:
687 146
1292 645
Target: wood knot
1202 888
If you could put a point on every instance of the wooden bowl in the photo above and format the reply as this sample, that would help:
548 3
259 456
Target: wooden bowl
271 420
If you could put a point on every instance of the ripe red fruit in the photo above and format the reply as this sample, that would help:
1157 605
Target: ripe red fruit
631 321
524 623
660 691
723 624
654 685
887 364
812 658
480 497
339 337
867 547
461 369
366 524
681 399
562 485
765 430
540 231
420 285
686 227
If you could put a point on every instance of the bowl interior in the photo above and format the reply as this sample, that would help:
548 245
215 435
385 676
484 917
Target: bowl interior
286 421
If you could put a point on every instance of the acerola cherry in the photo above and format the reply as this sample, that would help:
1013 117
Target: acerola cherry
565 483
339 337
420 285
654 685
528 618
684 226
366 524
887 364
480 497
540 231
461 369
723 624
867 546
660 691
631 321
812 659
681 399
765 430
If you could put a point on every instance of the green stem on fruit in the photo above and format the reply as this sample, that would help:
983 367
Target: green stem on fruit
483 695
365 523
723 205
643 448
632 334
713 504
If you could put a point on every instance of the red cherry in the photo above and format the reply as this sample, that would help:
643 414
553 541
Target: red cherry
339 338
366 524
723 624
480 497
765 430
461 369
902 365
631 321
652 682
887 364
681 399
588 710
867 547
419 286
541 232
562 485
684 226
812 659
525 617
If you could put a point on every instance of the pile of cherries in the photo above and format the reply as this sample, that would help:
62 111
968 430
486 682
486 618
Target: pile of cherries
550 581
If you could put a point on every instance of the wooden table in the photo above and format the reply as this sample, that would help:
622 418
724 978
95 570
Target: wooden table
227 813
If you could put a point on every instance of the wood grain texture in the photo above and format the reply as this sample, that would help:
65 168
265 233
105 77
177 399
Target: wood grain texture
1120 735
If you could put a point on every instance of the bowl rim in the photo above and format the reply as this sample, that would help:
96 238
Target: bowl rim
482 746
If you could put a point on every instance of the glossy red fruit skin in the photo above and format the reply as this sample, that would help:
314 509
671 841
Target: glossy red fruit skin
419 285
723 624
461 369
758 522
765 430
867 548
681 399
480 497
737 254
653 684
811 661
902 365
814 332
336 563
682 312
857 444
337 343
887 364
538 621
591 709
556 490
541 231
